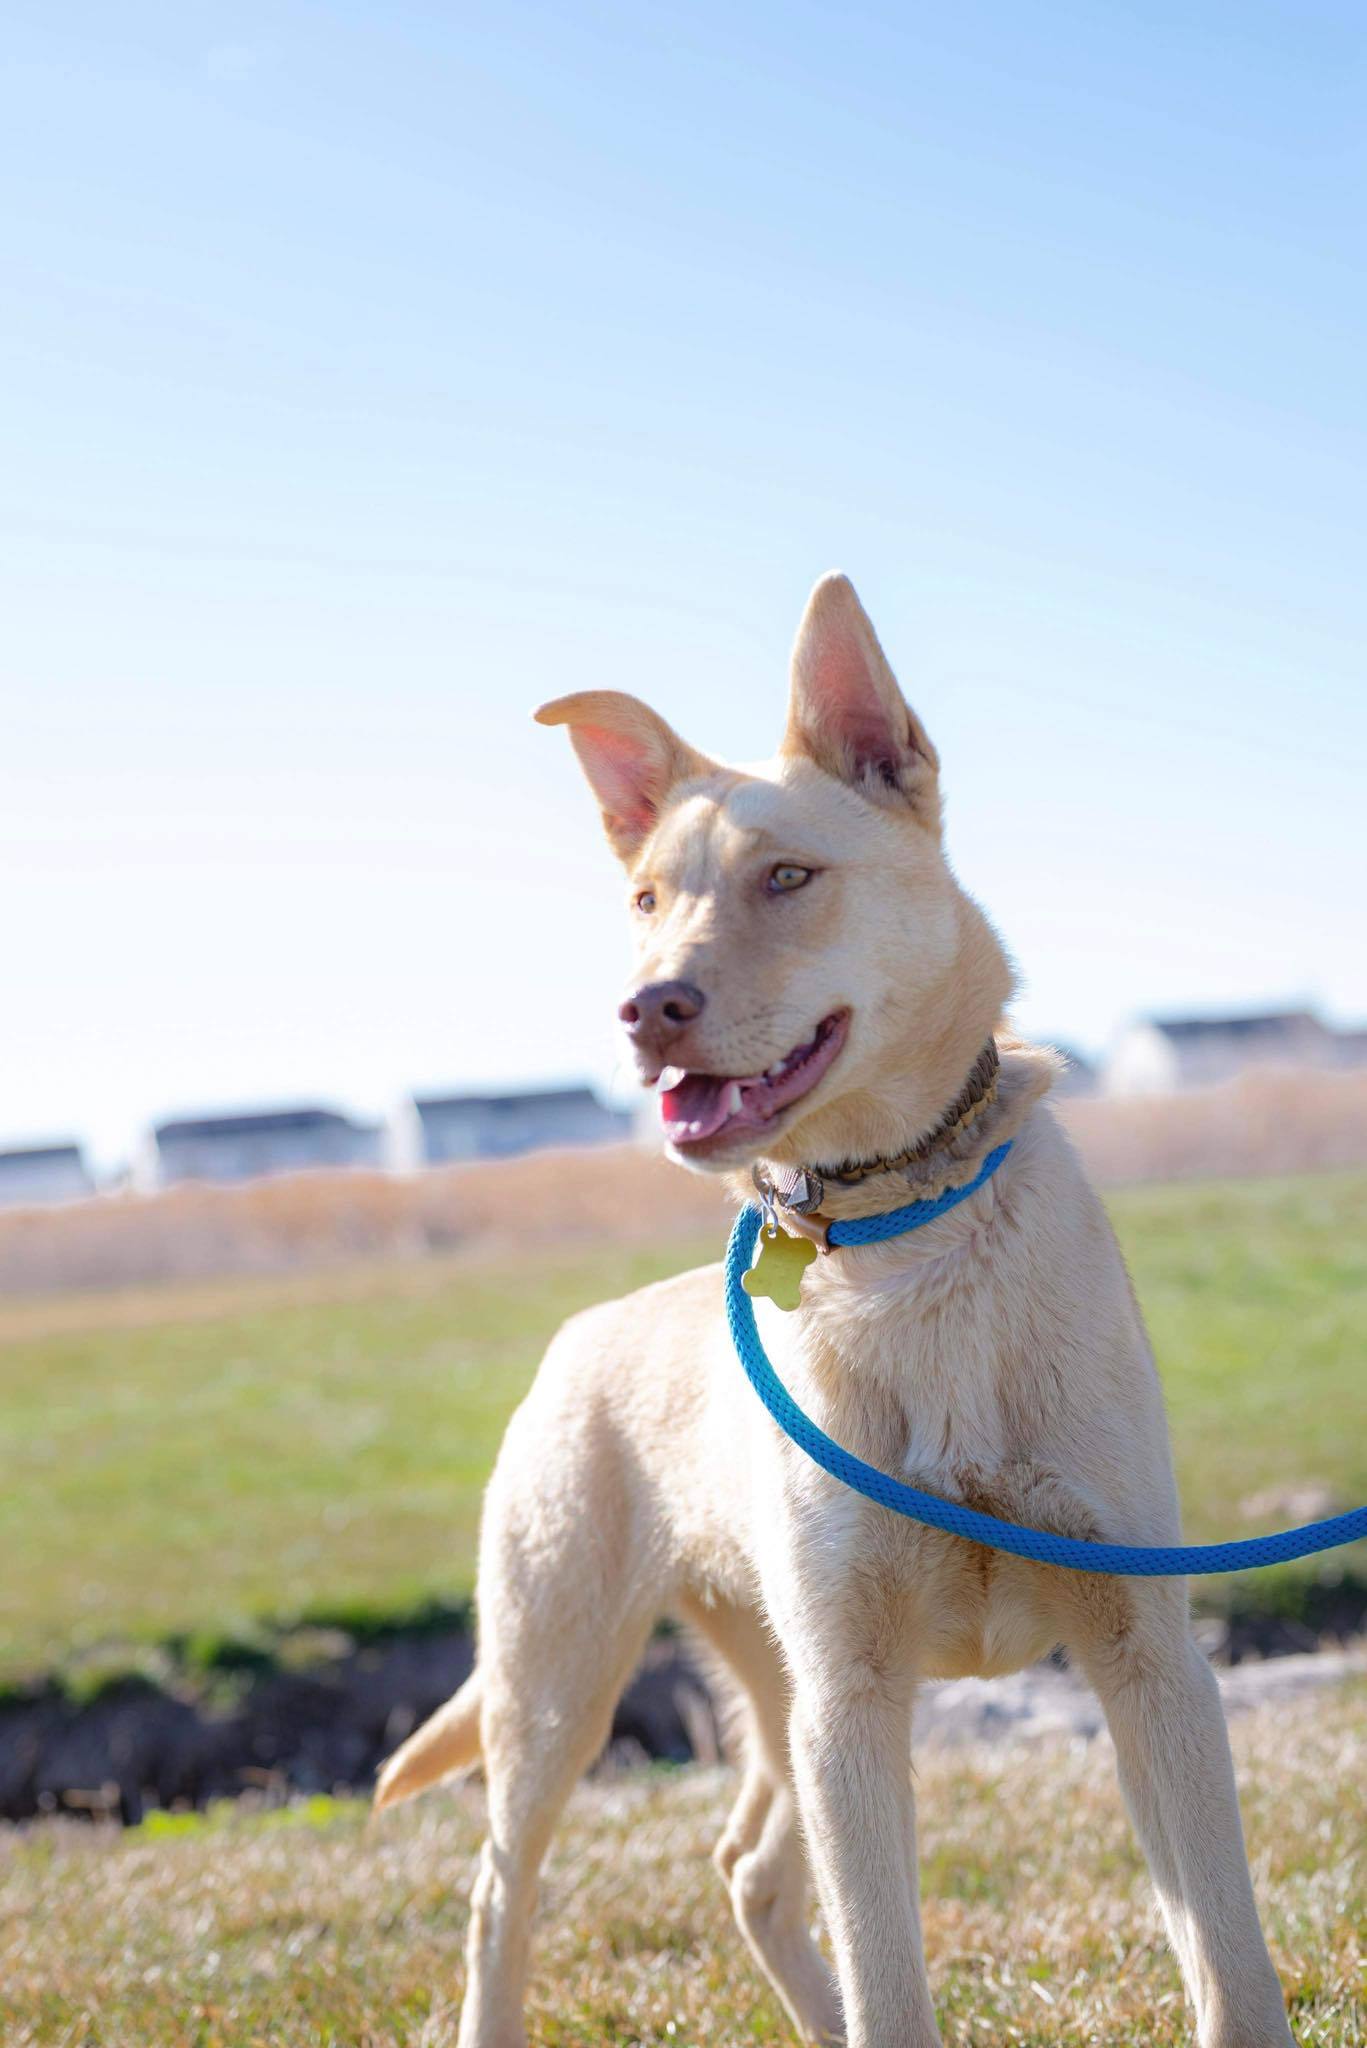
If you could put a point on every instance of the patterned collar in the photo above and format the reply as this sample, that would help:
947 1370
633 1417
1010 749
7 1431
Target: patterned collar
800 1190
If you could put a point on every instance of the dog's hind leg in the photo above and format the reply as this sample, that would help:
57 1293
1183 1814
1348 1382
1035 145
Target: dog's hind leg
548 1697
570 1583
1163 1709
760 1853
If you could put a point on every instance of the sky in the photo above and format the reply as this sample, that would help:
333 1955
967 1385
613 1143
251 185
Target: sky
373 373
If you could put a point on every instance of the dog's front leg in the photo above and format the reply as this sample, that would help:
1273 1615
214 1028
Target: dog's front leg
851 1724
1163 1709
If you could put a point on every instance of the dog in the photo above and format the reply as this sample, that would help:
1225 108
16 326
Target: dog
815 995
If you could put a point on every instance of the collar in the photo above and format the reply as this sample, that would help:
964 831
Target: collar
800 1190
782 1259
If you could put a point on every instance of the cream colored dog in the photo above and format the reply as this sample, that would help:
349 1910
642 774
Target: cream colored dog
812 990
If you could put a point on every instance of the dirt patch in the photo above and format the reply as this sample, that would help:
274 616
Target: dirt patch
324 1729
278 1732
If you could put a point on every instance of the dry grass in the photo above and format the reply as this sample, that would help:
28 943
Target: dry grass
1266 1122
1263 1124
311 1927
344 1218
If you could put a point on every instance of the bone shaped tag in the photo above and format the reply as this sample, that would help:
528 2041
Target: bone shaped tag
779 1268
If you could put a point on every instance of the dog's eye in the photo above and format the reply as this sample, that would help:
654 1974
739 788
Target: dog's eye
645 902
786 877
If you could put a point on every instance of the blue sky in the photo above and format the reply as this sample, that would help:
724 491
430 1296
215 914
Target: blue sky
371 374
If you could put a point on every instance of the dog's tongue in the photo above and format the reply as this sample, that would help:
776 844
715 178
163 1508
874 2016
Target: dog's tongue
696 1105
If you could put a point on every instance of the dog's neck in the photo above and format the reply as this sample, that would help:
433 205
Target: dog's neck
1002 1084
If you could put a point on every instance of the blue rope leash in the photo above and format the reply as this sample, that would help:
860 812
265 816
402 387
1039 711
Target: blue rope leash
1127 1560
897 1222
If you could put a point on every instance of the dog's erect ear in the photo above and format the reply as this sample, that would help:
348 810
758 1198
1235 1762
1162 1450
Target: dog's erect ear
631 758
846 713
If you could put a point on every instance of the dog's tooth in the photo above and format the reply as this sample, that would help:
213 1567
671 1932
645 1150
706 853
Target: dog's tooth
776 1072
670 1077
732 1099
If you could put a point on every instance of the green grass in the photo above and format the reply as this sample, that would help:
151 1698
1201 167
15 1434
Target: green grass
1256 1298
312 1927
176 1466
187 1465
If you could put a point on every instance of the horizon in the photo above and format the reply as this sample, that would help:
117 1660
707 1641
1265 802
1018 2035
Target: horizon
373 379
622 1093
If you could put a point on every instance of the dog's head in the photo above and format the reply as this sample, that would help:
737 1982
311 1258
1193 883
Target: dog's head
811 984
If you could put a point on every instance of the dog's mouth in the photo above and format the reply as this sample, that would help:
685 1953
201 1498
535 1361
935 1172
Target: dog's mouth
697 1110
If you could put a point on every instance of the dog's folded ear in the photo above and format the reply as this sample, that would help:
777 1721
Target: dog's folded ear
631 757
846 713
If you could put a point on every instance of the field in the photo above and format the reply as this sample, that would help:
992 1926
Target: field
312 1927
198 1462
206 1465
1264 1122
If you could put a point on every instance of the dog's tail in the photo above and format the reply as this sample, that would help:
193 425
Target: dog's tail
447 1742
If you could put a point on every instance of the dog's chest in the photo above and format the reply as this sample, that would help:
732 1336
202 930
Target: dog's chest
913 1367
916 1387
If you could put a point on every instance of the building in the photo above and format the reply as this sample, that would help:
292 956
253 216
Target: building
248 1144
43 1173
437 1130
1160 1056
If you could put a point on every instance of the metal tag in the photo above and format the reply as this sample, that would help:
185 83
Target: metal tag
778 1270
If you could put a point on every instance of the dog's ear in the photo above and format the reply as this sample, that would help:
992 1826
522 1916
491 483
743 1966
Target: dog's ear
846 713
631 757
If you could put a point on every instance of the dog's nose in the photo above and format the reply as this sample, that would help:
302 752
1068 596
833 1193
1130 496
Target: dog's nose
656 1014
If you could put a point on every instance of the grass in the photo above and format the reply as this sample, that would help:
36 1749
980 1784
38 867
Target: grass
189 1462
1255 1294
313 1927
